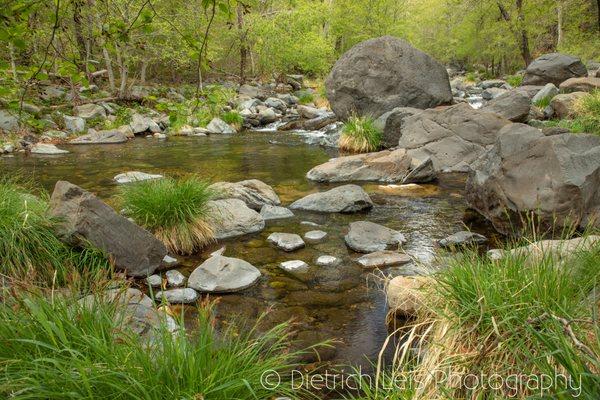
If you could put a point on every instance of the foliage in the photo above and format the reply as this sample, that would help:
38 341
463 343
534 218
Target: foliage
61 349
175 210
586 118
514 80
506 317
543 102
360 135
233 118
29 248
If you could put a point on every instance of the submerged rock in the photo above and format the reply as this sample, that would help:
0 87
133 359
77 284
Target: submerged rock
462 238
377 75
269 212
327 261
369 237
46 149
315 236
178 296
223 274
286 241
231 217
405 294
344 199
135 176
112 136
86 219
253 192
384 258
175 278
552 179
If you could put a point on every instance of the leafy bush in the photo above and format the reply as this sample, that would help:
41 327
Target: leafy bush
360 135
29 248
60 349
176 211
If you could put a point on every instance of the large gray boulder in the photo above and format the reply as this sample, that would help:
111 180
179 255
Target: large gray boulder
231 218
369 237
513 105
453 137
526 175
86 219
390 124
563 105
380 74
253 192
111 136
553 68
222 274
382 166
342 199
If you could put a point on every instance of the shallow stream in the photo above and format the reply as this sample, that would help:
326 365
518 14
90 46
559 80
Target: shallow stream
344 303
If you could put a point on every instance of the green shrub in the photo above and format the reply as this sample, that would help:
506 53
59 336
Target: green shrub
233 118
176 211
507 317
514 80
60 349
29 248
471 77
360 135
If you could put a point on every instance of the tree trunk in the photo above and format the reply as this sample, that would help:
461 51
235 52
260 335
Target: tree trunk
524 40
598 4
559 24
109 68
78 32
143 72
123 71
243 45
13 62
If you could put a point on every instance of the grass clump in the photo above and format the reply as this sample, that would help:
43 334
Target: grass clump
543 102
359 135
233 118
60 349
507 319
29 248
586 115
305 97
175 210
514 80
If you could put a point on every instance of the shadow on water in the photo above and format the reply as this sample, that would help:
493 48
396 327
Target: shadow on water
345 302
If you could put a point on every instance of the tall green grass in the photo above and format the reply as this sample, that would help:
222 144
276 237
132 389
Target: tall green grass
586 118
233 118
514 80
175 210
359 135
60 349
29 248
503 317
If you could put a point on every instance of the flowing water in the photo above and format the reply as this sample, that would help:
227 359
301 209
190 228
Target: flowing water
345 302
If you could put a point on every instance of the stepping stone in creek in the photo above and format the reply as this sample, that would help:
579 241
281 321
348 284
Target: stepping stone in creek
175 278
368 237
462 238
327 261
178 296
269 212
221 274
315 236
384 258
294 266
135 176
286 241
154 281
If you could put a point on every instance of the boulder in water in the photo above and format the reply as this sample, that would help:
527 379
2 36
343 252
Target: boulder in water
342 199
222 274
369 237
